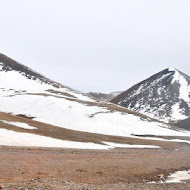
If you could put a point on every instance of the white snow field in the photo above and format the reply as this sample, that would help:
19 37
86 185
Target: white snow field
21 95
80 117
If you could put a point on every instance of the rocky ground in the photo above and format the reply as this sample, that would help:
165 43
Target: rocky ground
34 168
49 184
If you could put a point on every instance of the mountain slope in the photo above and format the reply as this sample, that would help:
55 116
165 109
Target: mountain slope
25 93
8 64
103 96
165 95
17 78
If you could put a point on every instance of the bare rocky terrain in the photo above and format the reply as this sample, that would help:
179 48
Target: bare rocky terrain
47 168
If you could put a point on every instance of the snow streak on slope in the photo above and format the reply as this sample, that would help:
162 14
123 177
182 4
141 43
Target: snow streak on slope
165 96
129 145
19 124
184 89
12 138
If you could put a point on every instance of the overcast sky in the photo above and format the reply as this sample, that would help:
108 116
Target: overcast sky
97 45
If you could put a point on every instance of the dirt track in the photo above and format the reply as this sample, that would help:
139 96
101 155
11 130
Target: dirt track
69 167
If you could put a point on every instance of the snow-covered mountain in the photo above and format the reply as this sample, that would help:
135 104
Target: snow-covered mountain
104 96
165 96
36 111
17 79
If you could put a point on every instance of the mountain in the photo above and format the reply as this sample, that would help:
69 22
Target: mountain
116 93
164 96
104 96
36 111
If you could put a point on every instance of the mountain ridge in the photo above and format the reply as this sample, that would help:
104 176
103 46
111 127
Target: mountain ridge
10 64
104 96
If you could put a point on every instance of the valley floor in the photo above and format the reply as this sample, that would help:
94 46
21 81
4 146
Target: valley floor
43 168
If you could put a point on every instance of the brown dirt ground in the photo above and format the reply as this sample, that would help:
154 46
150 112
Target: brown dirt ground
118 166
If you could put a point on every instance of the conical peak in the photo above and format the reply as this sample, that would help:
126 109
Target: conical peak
165 95
172 69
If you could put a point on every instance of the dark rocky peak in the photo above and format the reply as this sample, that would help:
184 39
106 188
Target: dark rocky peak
165 95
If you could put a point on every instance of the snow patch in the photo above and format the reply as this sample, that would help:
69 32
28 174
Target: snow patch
178 177
171 140
12 138
171 69
184 86
177 113
19 124
116 145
